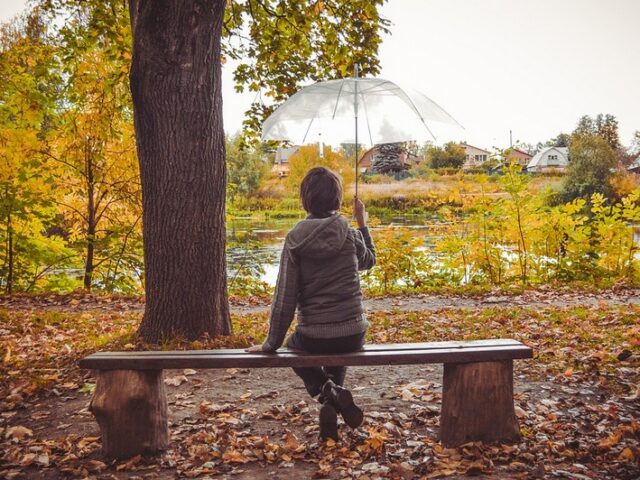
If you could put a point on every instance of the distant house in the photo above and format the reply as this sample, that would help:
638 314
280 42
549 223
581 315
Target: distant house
518 156
474 156
549 159
393 155
635 165
281 162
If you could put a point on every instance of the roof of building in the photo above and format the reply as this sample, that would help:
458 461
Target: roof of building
538 158
513 149
635 165
465 144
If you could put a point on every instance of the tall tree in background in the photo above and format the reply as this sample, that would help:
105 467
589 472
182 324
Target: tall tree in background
94 153
561 140
607 128
245 168
591 168
635 143
604 125
29 81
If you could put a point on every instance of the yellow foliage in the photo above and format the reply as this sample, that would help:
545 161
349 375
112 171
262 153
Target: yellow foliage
308 156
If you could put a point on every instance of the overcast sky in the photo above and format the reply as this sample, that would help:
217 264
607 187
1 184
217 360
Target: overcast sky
530 66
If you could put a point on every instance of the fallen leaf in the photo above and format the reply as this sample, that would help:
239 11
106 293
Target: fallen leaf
291 441
176 381
18 432
627 454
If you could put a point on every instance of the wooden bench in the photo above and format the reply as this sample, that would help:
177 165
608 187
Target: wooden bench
130 404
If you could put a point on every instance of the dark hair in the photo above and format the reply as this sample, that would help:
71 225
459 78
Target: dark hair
321 191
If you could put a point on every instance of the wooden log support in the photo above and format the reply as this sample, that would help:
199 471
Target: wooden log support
477 403
131 409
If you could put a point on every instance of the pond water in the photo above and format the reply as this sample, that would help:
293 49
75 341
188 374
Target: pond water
261 239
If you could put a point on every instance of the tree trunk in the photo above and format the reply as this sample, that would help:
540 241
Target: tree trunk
131 409
175 85
10 259
477 403
91 216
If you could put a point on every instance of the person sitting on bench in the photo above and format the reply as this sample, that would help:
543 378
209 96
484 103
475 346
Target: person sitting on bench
318 275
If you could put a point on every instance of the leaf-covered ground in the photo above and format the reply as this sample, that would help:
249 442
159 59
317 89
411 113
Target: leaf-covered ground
578 400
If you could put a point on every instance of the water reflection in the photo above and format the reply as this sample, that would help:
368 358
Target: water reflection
264 238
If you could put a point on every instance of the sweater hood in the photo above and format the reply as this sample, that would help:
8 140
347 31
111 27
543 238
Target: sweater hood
318 237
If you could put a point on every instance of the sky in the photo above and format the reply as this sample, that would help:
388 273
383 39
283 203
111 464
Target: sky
533 67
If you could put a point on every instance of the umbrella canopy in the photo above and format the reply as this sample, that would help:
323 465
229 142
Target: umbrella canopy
386 113
350 110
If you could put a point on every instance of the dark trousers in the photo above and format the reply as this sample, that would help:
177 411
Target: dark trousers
315 377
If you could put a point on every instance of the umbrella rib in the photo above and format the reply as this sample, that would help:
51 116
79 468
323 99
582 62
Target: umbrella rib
366 116
335 108
308 127
415 109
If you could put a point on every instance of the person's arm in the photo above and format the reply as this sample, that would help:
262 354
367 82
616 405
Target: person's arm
365 250
283 305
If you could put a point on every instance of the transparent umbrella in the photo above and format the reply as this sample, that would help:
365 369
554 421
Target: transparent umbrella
352 110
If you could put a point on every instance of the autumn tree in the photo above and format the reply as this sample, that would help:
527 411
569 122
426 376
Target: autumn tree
560 140
245 167
28 82
94 156
603 125
452 155
590 170
635 143
175 82
309 156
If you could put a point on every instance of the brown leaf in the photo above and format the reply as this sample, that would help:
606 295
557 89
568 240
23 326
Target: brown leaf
291 441
627 454
176 381
18 432
610 441
95 466
475 469
234 456
129 464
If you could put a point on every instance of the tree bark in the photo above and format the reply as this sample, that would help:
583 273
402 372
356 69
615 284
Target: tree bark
10 259
175 85
91 216
477 403
131 409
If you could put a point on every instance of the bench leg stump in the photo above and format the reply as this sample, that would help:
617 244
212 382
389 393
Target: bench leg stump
477 403
131 409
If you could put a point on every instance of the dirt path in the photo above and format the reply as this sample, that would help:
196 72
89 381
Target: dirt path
417 302
238 406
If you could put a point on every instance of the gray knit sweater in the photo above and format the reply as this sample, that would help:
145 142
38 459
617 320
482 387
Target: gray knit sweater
319 275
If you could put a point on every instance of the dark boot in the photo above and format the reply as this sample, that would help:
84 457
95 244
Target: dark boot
343 402
328 421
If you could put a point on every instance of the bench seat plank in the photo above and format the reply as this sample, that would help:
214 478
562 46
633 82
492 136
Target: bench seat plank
369 348
382 354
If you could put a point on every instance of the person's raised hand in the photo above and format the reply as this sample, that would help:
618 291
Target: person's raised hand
360 213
